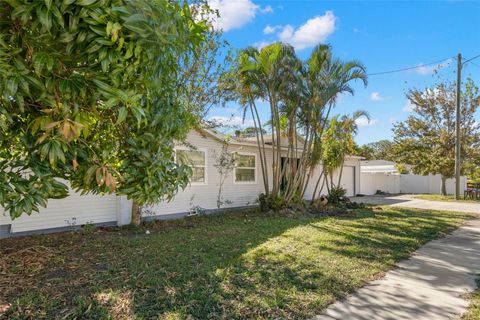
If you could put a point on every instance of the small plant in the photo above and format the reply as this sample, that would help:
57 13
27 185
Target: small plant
72 224
144 211
225 163
271 202
197 211
336 195
88 228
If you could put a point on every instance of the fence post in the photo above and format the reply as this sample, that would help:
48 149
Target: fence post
124 211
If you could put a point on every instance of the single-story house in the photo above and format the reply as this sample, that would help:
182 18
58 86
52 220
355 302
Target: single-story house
241 188
382 175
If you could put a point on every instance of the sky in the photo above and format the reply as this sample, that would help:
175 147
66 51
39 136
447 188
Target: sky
383 35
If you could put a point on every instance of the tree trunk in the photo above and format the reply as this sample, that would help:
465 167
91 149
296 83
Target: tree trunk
136 218
443 186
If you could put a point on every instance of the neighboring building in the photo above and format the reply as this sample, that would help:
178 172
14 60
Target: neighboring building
241 188
378 166
382 175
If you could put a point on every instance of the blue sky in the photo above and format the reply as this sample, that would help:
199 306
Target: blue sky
383 35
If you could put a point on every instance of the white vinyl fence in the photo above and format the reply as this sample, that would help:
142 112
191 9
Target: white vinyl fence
405 183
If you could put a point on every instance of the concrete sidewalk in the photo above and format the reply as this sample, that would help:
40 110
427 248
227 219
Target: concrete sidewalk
431 285
409 201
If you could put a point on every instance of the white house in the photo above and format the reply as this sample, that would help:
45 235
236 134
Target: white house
382 175
241 188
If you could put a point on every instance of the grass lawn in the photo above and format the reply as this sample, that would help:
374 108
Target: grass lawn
232 266
473 312
437 197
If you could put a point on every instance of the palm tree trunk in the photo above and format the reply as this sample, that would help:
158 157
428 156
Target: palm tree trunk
261 145
314 194
341 173
262 141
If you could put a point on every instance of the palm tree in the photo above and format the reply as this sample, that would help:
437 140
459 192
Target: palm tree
266 74
349 129
324 79
300 97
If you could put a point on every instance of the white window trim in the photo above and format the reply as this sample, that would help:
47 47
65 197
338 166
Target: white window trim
204 150
255 169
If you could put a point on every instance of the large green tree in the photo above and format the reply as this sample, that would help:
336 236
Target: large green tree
90 93
378 150
426 140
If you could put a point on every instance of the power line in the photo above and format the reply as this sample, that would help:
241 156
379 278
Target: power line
468 60
410 68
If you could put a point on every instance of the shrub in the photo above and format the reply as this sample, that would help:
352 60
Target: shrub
336 195
271 202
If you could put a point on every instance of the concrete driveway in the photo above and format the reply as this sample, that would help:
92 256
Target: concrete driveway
409 201
431 285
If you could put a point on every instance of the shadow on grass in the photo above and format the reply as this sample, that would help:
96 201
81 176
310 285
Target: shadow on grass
223 267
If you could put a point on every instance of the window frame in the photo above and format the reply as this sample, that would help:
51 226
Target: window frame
254 169
205 166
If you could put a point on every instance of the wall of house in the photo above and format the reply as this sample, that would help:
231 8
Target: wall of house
351 184
77 210
406 183
205 194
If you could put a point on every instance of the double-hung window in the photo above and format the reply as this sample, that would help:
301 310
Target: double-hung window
196 160
245 168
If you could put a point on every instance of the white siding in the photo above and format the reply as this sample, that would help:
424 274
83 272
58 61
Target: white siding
350 178
75 209
205 195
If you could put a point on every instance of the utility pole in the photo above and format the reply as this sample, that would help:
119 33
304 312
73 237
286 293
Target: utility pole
457 128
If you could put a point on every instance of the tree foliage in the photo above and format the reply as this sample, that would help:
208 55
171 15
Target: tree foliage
249 132
426 140
378 150
337 143
90 93
300 96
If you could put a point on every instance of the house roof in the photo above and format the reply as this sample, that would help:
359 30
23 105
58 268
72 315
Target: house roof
380 166
251 141
376 163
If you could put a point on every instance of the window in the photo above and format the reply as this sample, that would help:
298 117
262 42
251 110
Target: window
196 160
245 168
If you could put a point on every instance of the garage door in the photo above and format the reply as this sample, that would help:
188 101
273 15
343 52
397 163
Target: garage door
348 180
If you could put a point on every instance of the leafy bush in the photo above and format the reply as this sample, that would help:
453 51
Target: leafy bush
271 202
336 195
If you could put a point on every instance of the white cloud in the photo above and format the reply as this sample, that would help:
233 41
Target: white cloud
233 14
364 122
234 121
312 32
260 44
426 70
267 9
408 107
269 29
375 96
